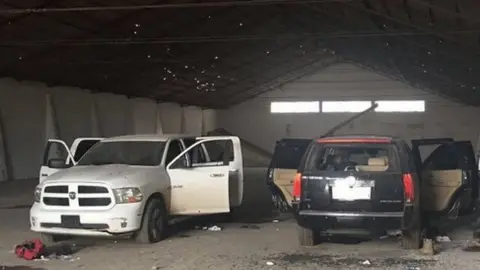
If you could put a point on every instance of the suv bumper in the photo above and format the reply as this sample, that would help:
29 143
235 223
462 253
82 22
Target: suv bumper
375 222
120 219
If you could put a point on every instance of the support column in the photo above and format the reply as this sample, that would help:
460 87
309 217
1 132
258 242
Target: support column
183 122
4 174
96 128
158 120
51 126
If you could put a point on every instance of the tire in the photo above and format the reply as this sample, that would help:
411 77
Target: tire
412 239
306 236
154 223
50 239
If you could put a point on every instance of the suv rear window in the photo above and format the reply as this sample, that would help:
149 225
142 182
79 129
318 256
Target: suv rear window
288 154
353 157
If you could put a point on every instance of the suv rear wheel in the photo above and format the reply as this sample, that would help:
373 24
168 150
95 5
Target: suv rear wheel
412 239
306 236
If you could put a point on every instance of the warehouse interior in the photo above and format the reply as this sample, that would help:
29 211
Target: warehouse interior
262 70
95 68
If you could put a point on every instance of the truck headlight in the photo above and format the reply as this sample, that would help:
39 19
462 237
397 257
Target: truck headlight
37 194
127 195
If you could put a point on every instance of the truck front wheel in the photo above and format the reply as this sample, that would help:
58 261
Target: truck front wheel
154 223
50 239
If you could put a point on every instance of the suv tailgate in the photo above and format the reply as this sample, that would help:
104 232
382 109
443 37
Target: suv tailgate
370 182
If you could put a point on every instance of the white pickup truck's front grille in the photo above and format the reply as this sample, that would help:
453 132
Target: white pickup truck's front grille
77 195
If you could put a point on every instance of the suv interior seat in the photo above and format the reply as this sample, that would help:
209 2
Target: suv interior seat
376 164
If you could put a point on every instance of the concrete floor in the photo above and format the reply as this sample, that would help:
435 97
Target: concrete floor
244 244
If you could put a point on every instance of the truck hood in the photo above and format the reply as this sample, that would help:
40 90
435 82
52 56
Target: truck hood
116 175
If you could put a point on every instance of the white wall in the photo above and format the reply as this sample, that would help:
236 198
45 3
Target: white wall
253 121
23 119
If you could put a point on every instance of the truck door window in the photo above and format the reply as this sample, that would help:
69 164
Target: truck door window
55 151
218 149
174 150
197 158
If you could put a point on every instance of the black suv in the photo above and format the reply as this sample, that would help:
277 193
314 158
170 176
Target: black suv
353 184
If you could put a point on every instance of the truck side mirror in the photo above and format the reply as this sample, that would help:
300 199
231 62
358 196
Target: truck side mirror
58 163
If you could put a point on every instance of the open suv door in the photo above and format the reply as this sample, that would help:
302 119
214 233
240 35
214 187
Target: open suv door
58 156
283 168
449 179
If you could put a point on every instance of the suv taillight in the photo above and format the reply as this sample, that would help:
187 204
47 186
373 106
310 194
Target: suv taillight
297 186
408 188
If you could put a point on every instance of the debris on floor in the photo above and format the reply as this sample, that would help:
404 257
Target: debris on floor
55 256
270 263
366 262
429 247
472 246
443 239
275 221
412 268
213 228
250 227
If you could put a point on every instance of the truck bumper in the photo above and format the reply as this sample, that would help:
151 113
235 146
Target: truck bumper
120 219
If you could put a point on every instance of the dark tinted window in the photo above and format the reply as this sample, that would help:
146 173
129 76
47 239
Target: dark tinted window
353 157
218 149
174 150
443 158
288 154
83 147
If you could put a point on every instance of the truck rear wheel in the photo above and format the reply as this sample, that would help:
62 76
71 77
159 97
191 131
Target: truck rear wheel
154 223
306 236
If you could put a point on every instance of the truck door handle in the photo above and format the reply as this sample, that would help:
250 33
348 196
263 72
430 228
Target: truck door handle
216 175
44 174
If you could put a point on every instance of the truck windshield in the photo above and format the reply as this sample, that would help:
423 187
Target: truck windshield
139 153
353 157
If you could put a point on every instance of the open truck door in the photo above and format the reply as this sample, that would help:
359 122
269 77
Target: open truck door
449 182
58 156
207 177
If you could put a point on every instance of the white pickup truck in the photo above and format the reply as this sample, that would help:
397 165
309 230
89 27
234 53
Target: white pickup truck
135 185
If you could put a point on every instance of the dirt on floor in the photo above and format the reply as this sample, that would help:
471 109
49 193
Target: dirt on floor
256 240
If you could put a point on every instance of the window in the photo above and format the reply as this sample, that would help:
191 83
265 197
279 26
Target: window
134 153
295 107
400 106
345 106
442 159
174 150
55 151
83 147
344 157
218 149
207 154
288 153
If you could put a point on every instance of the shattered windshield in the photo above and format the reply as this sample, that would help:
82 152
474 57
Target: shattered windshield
140 153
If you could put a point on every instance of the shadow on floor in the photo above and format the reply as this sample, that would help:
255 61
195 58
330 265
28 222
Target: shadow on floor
20 267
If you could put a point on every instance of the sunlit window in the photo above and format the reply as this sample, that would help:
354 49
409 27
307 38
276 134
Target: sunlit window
295 107
400 106
345 106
